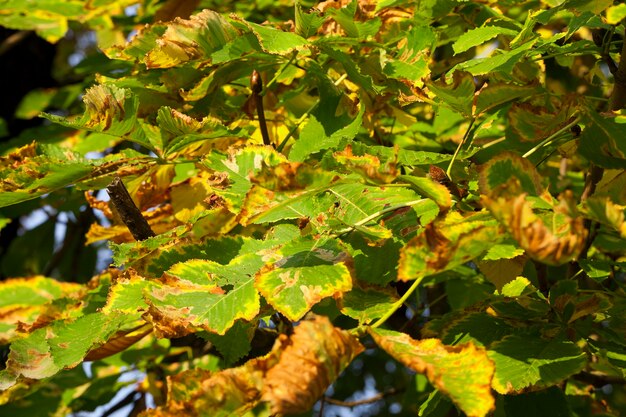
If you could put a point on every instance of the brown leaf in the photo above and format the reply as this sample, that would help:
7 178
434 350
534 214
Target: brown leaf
118 342
313 358
289 380
553 245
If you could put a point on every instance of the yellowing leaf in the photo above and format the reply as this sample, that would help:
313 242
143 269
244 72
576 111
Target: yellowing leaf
24 300
462 372
445 244
300 274
509 174
201 294
553 244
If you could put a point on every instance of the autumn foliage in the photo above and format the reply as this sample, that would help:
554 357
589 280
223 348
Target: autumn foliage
287 208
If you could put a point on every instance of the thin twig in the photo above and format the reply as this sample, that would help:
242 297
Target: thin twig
256 83
375 398
128 211
12 41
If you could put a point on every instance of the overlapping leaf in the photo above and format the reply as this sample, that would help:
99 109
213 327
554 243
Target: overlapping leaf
447 243
202 294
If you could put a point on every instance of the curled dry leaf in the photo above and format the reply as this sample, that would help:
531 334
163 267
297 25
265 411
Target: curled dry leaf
555 244
289 380
311 360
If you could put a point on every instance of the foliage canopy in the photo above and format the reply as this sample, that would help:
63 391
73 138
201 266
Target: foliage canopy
424 199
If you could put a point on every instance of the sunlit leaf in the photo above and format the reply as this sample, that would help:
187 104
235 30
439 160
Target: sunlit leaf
298 275
555 243
445 244
478 36
289 380
462 372
201 294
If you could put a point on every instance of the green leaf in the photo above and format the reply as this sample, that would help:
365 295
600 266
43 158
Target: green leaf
509 174
524 361
459 95
274 41
601 140
495 95
462 372
551 402
480 328
63 344
235 343
314 136
307 24
503 62
202 294
298 275
367 303
478 36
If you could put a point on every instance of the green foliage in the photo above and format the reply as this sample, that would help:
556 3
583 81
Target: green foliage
440 181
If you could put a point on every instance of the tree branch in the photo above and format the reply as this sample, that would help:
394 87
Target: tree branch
257 87
377 397
128 211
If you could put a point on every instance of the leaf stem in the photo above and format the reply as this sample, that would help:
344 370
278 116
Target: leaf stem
380 213
458 148
553 136
398 303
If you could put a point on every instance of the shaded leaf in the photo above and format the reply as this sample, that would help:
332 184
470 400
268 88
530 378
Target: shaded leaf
367 303
524 361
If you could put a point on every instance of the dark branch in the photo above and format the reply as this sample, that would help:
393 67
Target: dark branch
256 83
128 211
